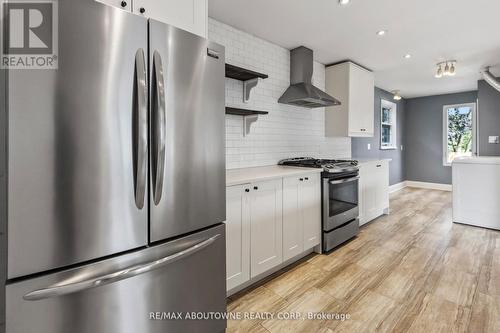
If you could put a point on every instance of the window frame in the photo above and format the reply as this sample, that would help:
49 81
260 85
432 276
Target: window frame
393 125
473 106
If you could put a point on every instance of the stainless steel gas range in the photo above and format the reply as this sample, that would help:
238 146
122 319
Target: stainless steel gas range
339 186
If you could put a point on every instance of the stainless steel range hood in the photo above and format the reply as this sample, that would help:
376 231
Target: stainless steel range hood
301 91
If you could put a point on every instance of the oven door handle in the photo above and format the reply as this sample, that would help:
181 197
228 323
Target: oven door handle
341 181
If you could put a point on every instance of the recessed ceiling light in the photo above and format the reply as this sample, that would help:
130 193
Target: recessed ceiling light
344 2
407 56
381 32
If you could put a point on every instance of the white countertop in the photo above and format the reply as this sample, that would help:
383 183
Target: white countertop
248 175
477 160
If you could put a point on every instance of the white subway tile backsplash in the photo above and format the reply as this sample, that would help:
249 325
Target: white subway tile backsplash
287 131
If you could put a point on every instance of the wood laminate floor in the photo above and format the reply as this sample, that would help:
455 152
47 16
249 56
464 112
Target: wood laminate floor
411 271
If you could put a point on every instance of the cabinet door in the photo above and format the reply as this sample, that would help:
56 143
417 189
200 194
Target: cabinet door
361 97
237 236
310 202
292 217
266 205
189 15
382 186
123 4
368 193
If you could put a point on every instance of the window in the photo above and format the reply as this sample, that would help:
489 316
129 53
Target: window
459 123
388 123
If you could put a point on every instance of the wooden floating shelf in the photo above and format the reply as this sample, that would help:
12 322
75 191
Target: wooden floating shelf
249 117
244 112
242 74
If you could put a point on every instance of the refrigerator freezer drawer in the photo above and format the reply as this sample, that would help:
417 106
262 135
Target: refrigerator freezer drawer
136 292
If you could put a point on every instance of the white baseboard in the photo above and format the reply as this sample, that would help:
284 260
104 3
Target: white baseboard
397 187
432 186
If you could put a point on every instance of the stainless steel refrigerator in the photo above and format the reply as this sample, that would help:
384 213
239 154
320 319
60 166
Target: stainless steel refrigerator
113 180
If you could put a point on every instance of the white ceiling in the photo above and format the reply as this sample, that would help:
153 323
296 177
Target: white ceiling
431 31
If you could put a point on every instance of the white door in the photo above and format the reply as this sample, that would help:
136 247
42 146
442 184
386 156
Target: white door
237 235
292 217
189 15
310 201
123 4
266 205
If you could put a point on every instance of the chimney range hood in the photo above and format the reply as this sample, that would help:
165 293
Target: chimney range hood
301 91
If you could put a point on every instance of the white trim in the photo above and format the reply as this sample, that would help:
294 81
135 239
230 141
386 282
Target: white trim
473 106
397 187
432 186
394 123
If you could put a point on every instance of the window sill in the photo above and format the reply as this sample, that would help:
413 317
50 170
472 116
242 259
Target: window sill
388 148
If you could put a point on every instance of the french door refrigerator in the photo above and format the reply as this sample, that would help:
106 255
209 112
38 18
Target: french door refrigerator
113 190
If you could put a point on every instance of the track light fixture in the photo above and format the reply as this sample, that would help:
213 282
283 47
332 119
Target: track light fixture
446 68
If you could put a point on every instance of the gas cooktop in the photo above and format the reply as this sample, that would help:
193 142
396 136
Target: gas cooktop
330 166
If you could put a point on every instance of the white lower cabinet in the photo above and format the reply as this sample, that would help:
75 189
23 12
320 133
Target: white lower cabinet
293 240
237 236
266 200
310 201
374 190
268 223
301 214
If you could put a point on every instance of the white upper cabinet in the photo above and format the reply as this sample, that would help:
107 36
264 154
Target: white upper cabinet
237 235
354 87
190 15
266 207
123 4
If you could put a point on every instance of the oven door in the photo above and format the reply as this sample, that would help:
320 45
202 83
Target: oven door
340 201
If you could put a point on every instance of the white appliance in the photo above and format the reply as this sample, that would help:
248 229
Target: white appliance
476 191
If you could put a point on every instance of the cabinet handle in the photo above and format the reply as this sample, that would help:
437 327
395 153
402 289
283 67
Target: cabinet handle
123 4
379 165
255 188
363 129
142 10
301 179
247 190
307 178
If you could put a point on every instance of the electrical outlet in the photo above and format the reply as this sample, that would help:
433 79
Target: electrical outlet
493 139
369 146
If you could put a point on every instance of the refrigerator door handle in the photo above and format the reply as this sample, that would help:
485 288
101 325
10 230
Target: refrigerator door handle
159 127
65 289
141 129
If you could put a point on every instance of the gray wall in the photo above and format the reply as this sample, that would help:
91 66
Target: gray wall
359 146
489 118
424 136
